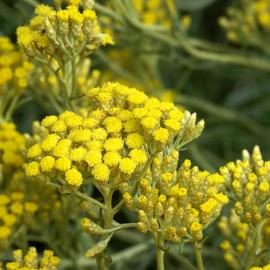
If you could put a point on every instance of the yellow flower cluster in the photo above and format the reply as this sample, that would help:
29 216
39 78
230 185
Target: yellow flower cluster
249 183
114 140
62 32
12 145
266 267
14 70
247 21
239 243
31 260
14 209
179 203
158 12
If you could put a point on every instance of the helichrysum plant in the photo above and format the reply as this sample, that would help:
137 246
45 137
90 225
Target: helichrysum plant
248 184
107 148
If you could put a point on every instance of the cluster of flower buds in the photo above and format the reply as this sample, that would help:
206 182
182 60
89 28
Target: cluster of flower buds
239 242
14 70
14 210
249 183
31 260
113 141
246 23
63 33
179 203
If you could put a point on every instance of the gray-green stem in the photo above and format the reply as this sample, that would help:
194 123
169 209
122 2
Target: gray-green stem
159 242
198 255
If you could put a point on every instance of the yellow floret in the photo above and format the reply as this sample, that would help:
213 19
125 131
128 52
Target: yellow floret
149 122
30 207
131 126
47 163
93 157
95 145
63 164
134 140
63 15
90 122
17 196
137 98
42 10
176 115
73 177
140 112
4 199
127 165
82 135
73 121
89 15
16 208
9 220
59 126
49 142
101 172
161 135
49 120
138 155
172 124
112 158
77 154
114 144
113 125
209 206
5 232
196 226
62 148
166 106
99 134
32 169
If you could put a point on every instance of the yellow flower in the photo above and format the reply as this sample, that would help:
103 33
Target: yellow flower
134 140
73 177
127 165
101 172
5 232
32 169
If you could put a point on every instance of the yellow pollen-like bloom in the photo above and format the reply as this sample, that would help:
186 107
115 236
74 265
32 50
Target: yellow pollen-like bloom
62 148
112 158
93 157
30 207
114 144
5 232
138 155
73 177
4 199
63 164
149 122
161 135
32 169
47 163
101 172
134 140
127 165
77 154
34 151
99 134
195 226
49 120
49 142
82 135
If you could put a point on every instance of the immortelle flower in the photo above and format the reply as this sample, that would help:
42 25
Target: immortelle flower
114 141
62 32
249 182
179 203
31 260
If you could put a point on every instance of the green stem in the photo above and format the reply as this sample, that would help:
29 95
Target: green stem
159 242
255 246
198 255
108 215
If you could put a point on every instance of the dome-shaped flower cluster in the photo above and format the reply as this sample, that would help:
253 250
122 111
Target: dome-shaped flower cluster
115 139
14 210
249 182
179 203
32 261
62 31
